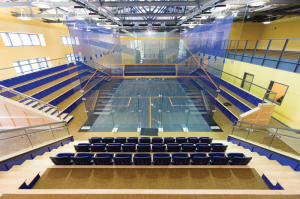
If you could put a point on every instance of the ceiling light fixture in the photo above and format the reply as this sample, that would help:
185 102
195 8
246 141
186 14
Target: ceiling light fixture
258 2
43 5
266 22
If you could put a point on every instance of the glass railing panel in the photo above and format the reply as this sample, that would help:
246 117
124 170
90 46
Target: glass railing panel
40 137
261 48
276 48
292 50
14 144
286 144
240 131
233 46
250 47
241 46
261 136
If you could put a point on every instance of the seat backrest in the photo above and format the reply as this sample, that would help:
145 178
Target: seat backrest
215 144
162 160
157 140
213 154
97 148
129 144
193 140
159 147
95 140
217 160
201 144
204 148
108 140
120 140
116 147
85 155
84 144
178 160
173 148
82 148
142 155
180 140
173 144
158 144
123 155
189 148
114 144
179 155
99 144
241 155
102 160
122 160
142 160
111 155
198 154
169 140
145 147
61 160
145 139
206 140
128 147
219 148
240 160
197 160
187 144
161 155
69 155
82 160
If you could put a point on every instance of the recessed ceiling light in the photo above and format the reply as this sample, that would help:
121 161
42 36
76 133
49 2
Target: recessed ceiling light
266 22
258 2
41 5
25 18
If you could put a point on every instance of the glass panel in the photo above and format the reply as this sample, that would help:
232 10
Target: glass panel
34 64
43 62
240 131
6 39
233 46
39 135
26 39
35 40
276 48
60 132
250 47
25 66
292 50
64 40
15 39
69 42
14 145
261 136
73 40
241 46
261 48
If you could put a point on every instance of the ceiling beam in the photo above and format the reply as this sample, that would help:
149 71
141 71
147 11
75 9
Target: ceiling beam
151 15
146 3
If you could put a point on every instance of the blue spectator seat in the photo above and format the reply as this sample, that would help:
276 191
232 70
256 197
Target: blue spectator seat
213 144
113 147
128 147
205 140
69 155
83 159
188 147
181 158
157 140
145 140
122 159
219 158
158 147
200 158
82 148
133 140
203 147
64 160
241 155
213 154
84 144
193 140
121 140
108 140
181 140
161 158
173 147
219 148
169 140
98 147
93 140
103 158
238 159
142 159
143 147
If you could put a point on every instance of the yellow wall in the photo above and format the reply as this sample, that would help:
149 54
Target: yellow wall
289 111
52 34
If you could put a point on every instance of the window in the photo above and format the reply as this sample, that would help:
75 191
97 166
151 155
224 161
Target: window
68 40
20 39
31 65
280 90
71 57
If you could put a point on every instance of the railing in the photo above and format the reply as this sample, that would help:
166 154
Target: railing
15 141
6 92
280 138
16 71
281 54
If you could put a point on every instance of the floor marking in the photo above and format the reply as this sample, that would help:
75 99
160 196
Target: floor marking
85 127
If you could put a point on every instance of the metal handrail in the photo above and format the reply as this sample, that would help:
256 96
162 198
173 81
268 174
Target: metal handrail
31 127
29 97
268 126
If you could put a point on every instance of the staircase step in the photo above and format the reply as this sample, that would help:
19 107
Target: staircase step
69 118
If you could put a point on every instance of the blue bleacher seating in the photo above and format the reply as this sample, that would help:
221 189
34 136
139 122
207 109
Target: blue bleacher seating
203 147
145 140
113 147
200 158
122 159
238 159
157 140
169 140
95 140
181 140
219 148
143 147
161 158
173 147
181 158
103 158
158 147
213 154
108 140
188 147
128 147
82 148
142 159
193 140
219 158
69 155
98 147
61 160
133 140
121 140
83 159
84 144
205 140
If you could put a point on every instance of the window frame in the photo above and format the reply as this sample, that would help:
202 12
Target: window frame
69 40
270 88
7 34
38 62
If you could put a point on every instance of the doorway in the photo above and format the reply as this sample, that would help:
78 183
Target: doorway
247 81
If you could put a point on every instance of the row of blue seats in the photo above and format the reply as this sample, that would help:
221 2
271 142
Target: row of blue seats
137 140
145 159
147 147
240 105
23 78
81 66
240 92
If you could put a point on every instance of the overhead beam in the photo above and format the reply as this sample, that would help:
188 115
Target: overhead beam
146 3
151 15
141 21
